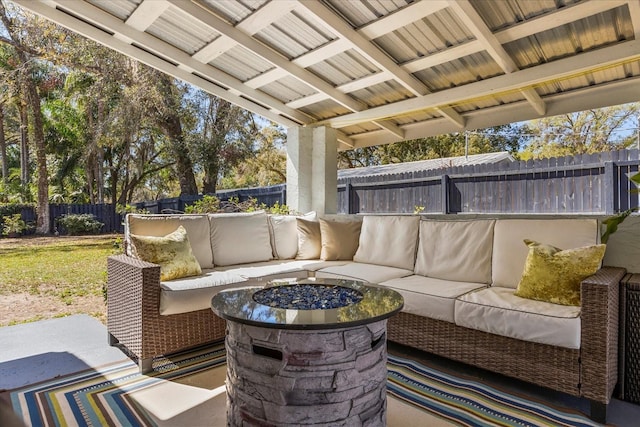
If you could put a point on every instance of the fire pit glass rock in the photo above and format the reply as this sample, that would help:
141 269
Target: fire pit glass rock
308 297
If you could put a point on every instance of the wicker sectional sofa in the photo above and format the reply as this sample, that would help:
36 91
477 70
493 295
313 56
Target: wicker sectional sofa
457 277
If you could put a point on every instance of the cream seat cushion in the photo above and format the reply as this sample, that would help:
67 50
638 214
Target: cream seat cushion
388 240
366 272
456 250
239 238
195 293
197 227
430 297
510 254
498 311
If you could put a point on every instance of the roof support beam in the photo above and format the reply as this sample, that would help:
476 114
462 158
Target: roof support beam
146 14
267 54
527 78
93 32
123 34
260 19
475 23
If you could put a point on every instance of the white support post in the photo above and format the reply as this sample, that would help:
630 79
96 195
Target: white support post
312 175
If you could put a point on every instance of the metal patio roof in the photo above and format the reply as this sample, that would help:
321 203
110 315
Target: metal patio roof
380 71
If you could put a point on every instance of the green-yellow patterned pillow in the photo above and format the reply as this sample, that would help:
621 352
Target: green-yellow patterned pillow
171 252
554 275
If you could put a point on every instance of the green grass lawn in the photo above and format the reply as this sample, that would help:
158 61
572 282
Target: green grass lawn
64 269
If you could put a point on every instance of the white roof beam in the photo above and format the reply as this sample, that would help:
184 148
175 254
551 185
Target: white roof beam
563 68
442 57
474 22
634 11
146 14
49 11
120 30
267 54
563 16
401 18
257 21
335 24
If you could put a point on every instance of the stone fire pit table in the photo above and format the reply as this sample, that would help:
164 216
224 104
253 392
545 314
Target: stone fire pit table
307 352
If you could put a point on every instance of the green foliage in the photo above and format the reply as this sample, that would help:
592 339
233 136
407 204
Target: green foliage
614 221
418 209
208 204
13 224
125 209
76 224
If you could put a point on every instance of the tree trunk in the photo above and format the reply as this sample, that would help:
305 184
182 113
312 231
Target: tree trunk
170 124
42 224
3 147
24 145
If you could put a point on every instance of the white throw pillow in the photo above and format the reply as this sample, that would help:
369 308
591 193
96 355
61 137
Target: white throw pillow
388 240
284 234
239 238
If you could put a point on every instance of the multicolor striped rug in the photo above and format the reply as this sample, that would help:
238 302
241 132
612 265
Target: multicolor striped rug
114 395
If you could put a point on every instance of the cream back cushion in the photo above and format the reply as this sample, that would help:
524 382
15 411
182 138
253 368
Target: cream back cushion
284 234
456 250
239 238
510 253
197 227
388 240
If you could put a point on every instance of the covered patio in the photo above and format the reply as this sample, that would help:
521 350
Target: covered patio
342 75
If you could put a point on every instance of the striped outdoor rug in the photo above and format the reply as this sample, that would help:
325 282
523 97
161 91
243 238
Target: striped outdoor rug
117 395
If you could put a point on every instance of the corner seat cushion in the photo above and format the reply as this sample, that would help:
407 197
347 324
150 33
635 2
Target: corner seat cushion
197 227
430 297
371 273
195 293
497 310
510 253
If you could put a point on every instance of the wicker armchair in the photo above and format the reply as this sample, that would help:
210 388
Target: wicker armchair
134 320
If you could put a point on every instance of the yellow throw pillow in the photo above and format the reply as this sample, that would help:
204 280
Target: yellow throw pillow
308 239
171 252
339 239
554 275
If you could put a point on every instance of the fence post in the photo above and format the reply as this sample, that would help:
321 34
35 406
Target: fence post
444 187
611 188
347 195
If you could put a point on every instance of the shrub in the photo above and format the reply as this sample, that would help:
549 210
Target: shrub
208 204
13 224
76 224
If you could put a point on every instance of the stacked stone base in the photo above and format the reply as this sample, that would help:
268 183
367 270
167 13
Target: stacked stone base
334 377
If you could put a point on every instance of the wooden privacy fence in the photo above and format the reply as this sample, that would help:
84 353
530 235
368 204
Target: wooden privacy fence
592 183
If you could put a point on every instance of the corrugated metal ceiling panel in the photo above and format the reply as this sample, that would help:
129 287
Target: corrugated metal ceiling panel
288 89
241 63
182 31
382 93
461 71
426 36
580 36
505 13
360 13
344 68
324 109
234 11
293 36
120 8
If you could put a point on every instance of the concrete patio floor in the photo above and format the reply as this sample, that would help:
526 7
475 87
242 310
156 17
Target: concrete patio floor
34 352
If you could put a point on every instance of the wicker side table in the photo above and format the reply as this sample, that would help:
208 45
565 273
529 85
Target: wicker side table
629 355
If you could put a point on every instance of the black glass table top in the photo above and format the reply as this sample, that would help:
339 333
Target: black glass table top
308 304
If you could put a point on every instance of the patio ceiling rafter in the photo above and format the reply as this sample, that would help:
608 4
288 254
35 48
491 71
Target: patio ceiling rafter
379 71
